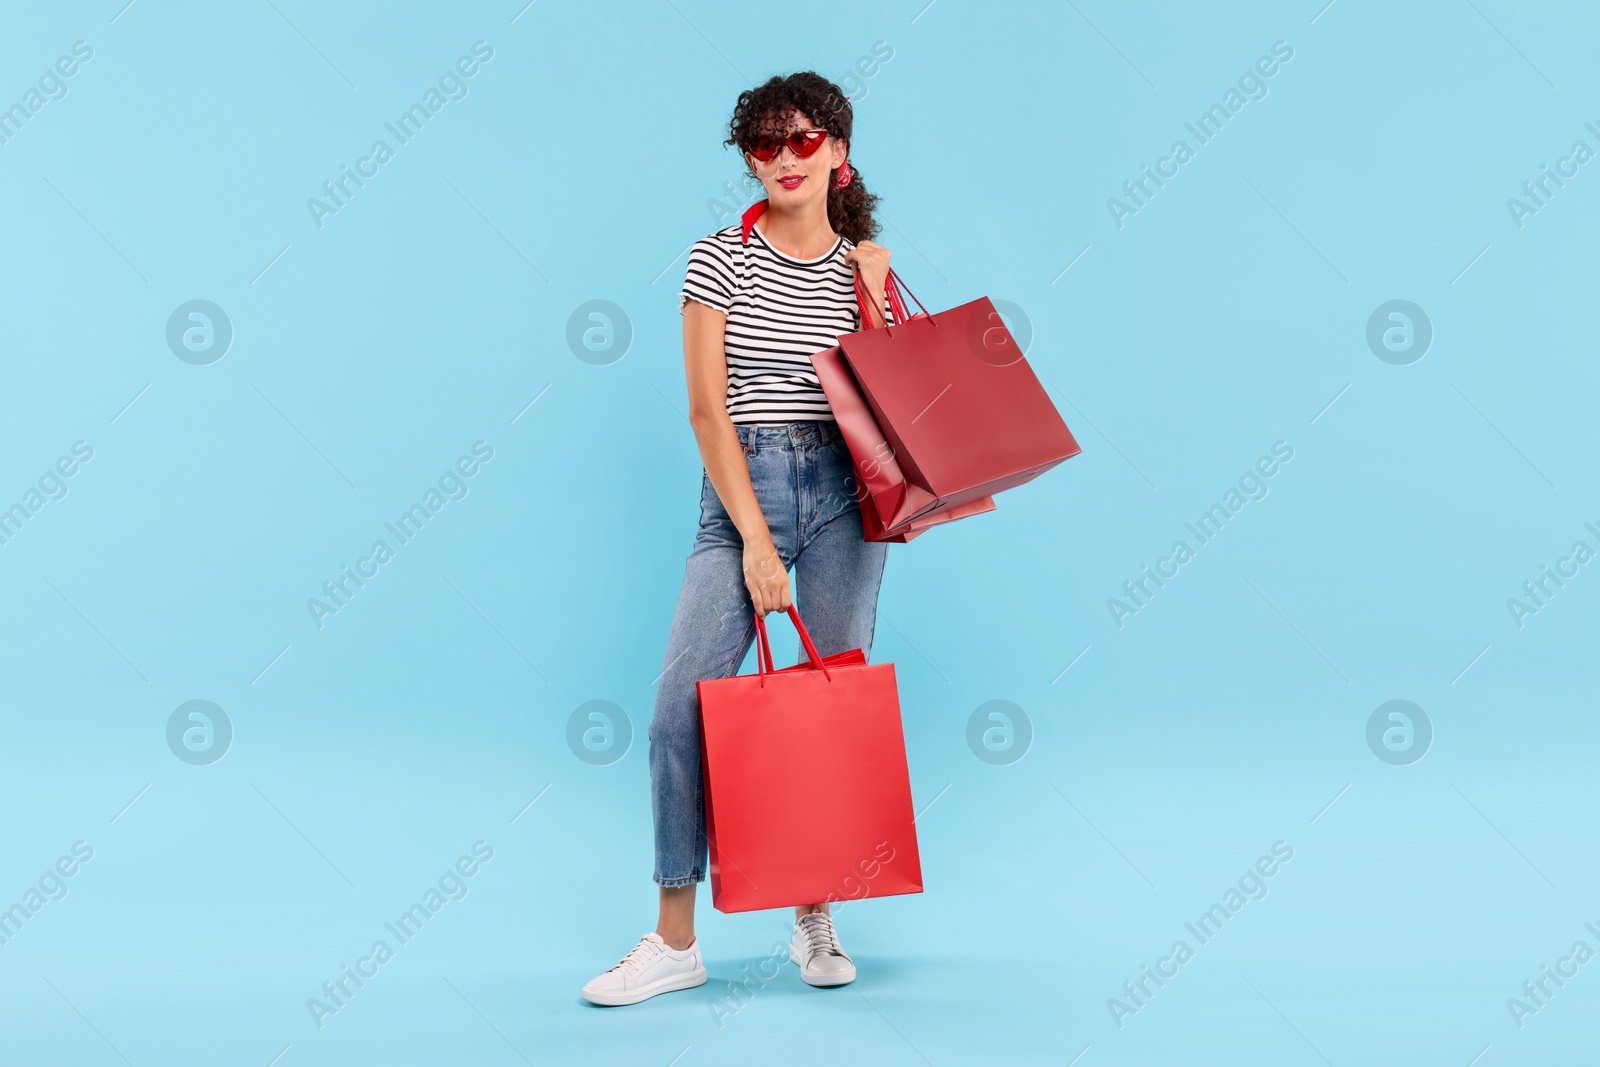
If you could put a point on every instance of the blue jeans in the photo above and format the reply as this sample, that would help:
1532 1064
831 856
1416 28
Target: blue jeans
803 479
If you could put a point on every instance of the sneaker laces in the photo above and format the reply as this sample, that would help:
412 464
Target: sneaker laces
638 956
820 939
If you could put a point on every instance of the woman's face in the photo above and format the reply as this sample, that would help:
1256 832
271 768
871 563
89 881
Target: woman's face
788 179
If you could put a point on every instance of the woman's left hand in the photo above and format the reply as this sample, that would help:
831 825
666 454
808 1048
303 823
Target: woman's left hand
872 260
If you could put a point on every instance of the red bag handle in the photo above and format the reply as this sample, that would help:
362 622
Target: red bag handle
764 643
862 302
897 304
896 284
763 647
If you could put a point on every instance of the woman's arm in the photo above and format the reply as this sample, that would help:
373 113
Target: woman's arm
706 368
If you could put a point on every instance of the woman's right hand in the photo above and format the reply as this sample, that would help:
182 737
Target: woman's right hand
766 577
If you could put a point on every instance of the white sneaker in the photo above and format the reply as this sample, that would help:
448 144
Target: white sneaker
651 967
815 947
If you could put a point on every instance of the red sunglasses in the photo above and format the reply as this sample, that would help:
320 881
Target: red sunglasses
803 143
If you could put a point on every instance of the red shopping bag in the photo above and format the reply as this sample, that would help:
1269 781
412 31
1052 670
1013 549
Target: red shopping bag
957 403
808 798
882 488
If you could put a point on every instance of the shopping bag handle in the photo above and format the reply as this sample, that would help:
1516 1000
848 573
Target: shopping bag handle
764 643
862 302
763 648
896 303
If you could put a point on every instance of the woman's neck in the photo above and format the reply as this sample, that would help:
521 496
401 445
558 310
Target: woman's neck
803 233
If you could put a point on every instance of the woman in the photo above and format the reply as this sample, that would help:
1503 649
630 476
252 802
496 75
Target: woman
759 297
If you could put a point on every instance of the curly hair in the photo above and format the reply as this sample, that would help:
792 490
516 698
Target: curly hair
825 104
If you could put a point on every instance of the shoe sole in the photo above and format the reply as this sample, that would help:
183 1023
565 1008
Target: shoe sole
826 980
634 996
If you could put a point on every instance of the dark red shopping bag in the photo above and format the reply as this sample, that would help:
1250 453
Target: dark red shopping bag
956 402
808 798
882 488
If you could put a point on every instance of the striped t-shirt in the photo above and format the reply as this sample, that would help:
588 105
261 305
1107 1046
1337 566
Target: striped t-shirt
780 310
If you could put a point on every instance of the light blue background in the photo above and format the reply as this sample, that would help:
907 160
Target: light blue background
1228 314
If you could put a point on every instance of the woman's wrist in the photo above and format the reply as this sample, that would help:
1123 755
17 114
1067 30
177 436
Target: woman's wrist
759 540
